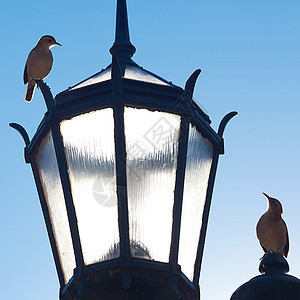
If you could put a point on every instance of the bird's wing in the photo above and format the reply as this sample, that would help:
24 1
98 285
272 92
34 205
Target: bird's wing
25 75
287 244
263 247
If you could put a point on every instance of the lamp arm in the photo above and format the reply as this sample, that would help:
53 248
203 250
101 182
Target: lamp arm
45 89
116 77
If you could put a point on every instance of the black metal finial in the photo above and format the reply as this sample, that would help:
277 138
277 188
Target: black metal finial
224 122
273 263
22 131
122 47
274 283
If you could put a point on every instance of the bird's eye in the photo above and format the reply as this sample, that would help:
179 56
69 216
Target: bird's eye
49 40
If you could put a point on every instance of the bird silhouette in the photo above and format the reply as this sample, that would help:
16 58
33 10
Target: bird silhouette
39 63
271 229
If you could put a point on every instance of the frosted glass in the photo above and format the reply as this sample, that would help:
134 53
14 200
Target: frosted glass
99 77
50 179
90 152
131 72
198 165
135 73
151 144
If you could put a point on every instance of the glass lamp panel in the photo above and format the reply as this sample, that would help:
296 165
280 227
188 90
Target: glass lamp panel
151 145
89 146
132 72
198 165
50 179
99 77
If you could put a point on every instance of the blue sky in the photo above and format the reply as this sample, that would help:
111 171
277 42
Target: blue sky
249 55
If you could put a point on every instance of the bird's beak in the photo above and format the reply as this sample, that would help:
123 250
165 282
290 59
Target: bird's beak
58 44
267 196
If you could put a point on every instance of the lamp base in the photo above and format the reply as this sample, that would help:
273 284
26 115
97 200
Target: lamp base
144 279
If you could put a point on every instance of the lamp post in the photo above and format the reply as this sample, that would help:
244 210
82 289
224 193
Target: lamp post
124 163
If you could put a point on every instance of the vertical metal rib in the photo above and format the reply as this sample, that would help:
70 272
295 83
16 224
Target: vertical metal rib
120 154
209 193
179 186
205 215
121 180
65 180
181 165
177 208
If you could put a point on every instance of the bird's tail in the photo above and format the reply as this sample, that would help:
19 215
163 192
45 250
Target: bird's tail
30 90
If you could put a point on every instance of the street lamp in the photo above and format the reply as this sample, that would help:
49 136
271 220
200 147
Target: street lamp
124 164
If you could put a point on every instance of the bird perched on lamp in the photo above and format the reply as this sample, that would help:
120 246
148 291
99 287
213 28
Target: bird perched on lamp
39 63
271 229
